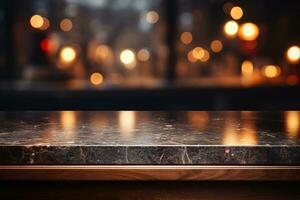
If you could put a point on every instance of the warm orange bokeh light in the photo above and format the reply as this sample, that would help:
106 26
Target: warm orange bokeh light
198 53
67 54
205 57
190 57
248 31
271 71
96 78
231 28
186 38
37 21
216 46
236 12
143 55
46 24
66 25
127 57
293 54
247 68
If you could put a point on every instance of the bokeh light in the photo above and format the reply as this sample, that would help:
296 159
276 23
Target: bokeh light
236 12
248 31
293 54
68 54
247 68
37 21
191 57
205 57
152 17
271 71
66 25
231 28
143 55
96 78
46 24
46 45
127 57
216 46
198 52
186 38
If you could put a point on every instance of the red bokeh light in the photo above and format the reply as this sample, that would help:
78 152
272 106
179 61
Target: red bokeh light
45 45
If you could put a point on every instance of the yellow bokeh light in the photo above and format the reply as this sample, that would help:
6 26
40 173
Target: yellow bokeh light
190 57
37 21
247 68
68 54
96 78
236 12
205 57
198 53
248 31
186 38
231 28
271 71
127 56
293 54
143 55
152 17
216 46
66 25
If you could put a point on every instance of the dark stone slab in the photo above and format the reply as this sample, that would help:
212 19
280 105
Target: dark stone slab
150 138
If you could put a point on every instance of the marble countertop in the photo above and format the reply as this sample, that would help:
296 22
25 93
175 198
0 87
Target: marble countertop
149 138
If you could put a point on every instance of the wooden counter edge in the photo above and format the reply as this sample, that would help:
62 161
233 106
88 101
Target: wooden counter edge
148 173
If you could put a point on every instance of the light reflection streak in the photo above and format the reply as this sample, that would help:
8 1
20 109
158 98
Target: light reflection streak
245 135
198 119
292 119
127 121
68 120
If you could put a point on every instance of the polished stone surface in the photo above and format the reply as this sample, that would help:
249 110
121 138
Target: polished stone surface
130 137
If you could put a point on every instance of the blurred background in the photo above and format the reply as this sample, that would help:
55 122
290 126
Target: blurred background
141 54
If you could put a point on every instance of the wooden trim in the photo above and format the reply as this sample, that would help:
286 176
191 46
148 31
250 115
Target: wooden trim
150 173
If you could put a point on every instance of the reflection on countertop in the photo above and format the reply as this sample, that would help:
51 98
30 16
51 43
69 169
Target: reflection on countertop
156 137
244 128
